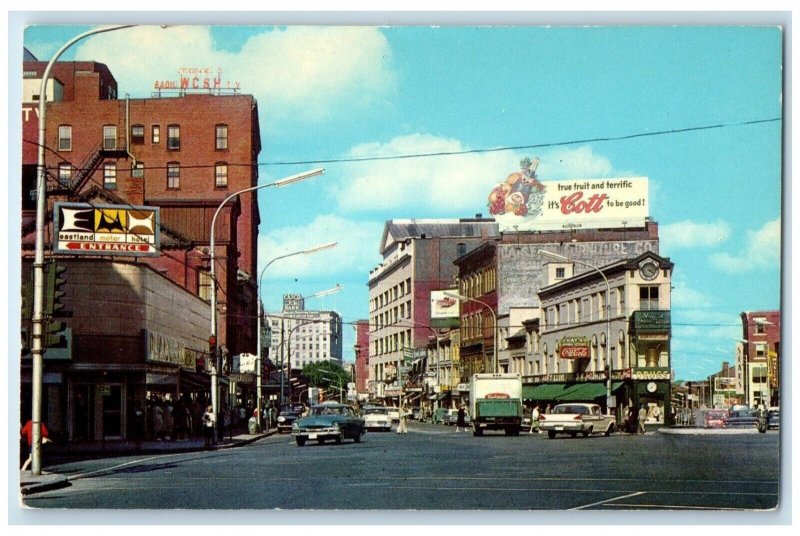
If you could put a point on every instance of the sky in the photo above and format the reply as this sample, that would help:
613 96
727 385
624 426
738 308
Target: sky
696 109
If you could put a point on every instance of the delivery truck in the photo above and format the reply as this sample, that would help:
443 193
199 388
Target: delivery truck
495 402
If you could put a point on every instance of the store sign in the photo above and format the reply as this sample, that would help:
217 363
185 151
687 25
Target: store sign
574 348
162 348
651 321
772 371
198 78
85 229
655 373
524 203
442 306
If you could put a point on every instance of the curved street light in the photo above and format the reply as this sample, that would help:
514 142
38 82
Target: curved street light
608 318
37 319
212 246
261 312
495 364
288 338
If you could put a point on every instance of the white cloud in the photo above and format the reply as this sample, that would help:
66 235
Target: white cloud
356 250
460 182
689 234
578 163
294 72
762 249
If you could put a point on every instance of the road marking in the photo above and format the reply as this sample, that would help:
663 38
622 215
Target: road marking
115 467
682 507
608 500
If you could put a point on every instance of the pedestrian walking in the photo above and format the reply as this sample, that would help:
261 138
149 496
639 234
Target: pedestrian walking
461 419
548 410
158 421
535 419
209 420
137 429
642 419
401 426
27 433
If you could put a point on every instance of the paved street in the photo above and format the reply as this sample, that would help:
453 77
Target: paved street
435 468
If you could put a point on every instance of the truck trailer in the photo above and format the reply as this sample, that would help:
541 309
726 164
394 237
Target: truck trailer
495 402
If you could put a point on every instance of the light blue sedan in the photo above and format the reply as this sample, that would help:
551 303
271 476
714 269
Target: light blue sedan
328 420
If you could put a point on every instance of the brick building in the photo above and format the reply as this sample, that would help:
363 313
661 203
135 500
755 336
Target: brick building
361 350
758 358
418 259
183 154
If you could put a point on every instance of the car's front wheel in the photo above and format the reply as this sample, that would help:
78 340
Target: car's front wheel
300 441
340 435
357 439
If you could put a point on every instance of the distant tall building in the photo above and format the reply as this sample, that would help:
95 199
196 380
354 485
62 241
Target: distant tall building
301 337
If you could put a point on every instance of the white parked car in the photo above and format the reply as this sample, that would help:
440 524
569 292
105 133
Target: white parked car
394 414
376 418
576 418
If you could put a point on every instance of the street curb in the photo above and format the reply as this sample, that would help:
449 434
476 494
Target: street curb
52 481
708 431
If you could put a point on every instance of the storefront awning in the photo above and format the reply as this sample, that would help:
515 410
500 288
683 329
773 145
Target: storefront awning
583 392
195 381
546 391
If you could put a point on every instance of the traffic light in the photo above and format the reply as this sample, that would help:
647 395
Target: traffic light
54 284
55 335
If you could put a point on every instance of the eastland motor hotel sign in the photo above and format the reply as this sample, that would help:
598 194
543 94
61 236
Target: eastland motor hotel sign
524 203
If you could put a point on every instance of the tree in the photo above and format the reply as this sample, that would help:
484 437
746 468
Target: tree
326 373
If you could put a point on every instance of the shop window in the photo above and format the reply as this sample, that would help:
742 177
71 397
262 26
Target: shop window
65 138
648 298
173 175
137 134
110 137
174 137
110 176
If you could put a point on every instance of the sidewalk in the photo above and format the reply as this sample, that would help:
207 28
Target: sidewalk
55 451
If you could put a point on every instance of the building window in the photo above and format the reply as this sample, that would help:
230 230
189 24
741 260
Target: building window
648 298
110 175
137 171
64 138
155 132
221 137
174 137
560 273
173 175
761 351
110 137
65 173
137 134
204 285
221 175
759 325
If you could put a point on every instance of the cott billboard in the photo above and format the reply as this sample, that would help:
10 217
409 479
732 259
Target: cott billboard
81 228
524 203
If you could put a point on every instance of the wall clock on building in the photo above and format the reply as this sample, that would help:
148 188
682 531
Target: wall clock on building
652 387
648 270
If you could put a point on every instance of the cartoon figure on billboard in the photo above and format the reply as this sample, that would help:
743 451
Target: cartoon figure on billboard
521 194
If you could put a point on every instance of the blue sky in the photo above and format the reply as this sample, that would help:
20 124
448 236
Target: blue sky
339 92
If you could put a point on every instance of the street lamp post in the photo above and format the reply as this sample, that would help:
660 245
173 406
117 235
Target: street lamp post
495 364
279 184
261 312
37 320
608 318
288 340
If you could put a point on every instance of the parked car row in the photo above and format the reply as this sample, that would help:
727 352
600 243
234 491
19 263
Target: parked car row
739 416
